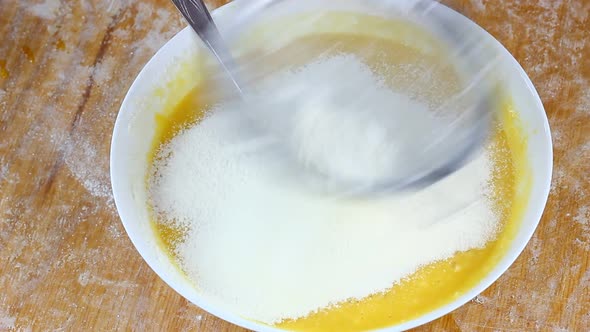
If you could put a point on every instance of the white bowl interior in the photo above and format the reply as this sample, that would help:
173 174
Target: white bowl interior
135 126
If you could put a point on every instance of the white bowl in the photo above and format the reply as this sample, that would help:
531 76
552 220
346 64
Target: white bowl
135 125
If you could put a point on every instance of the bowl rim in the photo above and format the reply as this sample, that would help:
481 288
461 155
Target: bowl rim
526 230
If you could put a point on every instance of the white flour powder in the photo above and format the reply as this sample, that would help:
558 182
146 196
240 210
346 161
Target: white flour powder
264 246
341 121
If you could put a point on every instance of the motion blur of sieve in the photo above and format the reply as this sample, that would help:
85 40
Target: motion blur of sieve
358 115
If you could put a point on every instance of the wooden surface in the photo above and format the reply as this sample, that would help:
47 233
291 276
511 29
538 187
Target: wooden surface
66 262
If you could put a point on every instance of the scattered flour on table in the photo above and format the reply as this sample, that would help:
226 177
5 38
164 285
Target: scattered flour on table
262 244
7 322
46 9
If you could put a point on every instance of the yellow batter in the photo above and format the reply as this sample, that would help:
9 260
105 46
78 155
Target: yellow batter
436 284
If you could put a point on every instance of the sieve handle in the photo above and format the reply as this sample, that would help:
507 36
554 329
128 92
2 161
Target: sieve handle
199 18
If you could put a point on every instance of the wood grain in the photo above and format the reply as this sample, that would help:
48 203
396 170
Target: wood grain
66 263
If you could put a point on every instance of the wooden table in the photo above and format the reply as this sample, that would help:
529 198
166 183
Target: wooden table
65 260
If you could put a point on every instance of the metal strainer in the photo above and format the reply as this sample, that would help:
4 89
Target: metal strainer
468 113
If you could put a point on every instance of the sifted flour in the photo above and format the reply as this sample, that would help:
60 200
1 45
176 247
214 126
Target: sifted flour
341 121
264 246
